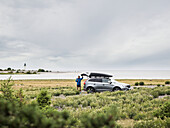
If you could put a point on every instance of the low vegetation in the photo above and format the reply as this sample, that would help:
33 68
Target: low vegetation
167 82
19 71
63 107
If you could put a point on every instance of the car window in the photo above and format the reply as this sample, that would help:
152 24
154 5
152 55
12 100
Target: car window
106 80
98 80
95 80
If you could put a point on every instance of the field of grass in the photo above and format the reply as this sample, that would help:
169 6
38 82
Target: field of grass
72 83
58 104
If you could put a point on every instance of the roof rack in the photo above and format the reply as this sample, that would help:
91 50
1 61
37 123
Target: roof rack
99 75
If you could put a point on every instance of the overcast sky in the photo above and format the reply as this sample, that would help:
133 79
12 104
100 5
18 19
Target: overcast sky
85 34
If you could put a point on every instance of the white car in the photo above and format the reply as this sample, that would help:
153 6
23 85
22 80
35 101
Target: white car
98 82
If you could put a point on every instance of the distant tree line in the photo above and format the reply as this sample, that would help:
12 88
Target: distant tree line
42 70
8 69
11 71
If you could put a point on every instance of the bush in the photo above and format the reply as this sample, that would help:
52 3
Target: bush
7 90
158 85
167 82
167 92
155 94
28 72
136 83
100 120
141 83
158 123
93 105
41 70
43 99
131 113
30 116
162 92
57 93
34 72
164 111
139 116
8 69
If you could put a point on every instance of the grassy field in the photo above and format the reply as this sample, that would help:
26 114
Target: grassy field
140 107
72 83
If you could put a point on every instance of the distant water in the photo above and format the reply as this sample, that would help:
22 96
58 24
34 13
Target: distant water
117 74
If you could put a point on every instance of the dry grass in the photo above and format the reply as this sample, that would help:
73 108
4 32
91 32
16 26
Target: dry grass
71 83
127 123
146 81
43 83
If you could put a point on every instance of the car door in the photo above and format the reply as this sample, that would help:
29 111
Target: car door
99 84
96 83
107 86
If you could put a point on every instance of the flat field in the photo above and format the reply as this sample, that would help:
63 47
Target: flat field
72 83
58 101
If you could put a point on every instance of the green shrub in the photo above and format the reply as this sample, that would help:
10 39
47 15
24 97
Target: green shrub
20 96
131 113
139 116
158 123
41 70
155 94
123 115
136 83
167 91
34 72
93 105
8 69
56 93
141 83
162 92
43 99
7 92
30 116
69 92
100 120
164 111
167 82
158 85
28 72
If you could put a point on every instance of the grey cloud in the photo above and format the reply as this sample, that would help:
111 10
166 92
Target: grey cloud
73 34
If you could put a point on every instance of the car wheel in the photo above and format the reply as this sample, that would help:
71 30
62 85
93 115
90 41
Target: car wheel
90 90
116 89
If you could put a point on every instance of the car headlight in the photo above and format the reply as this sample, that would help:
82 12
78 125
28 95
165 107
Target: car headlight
123 86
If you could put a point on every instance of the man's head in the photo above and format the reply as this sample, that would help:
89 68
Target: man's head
78 76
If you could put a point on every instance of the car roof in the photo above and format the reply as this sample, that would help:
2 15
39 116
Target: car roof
99 75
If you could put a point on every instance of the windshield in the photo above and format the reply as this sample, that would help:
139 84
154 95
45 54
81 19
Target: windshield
114 81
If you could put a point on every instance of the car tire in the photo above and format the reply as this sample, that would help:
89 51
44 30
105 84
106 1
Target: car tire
116 89
90 90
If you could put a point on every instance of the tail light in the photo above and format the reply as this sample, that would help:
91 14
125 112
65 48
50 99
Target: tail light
85 82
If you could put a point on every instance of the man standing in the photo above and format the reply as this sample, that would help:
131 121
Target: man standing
78 80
